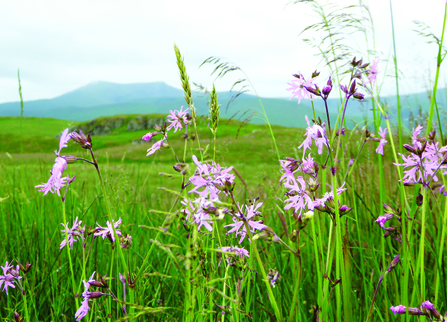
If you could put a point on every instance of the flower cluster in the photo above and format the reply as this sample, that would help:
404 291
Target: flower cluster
74 233
318 134
108 230
9 277
176 119
240 219
299 86
426 308
426 158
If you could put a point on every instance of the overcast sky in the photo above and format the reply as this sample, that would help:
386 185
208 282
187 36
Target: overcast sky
60 45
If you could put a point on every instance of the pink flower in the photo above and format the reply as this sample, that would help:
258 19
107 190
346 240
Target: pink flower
65 137
210 177
149 135
178 119
382 134
298 88
73 233
299 198
157 145
56 181
400 309
84 308
372 73
108 231
196 209
316 133
238 222
7 279
239 252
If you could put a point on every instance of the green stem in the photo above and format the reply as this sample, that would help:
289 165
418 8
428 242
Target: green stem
297 281
422 243
438 67
67 246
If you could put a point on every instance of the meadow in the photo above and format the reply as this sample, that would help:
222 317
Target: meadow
210 219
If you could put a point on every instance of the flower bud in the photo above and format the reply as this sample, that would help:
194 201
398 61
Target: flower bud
182 168
25 269
18 318
359 96
122 278
84 141
344 89
328 88
432 135
343 210
419 199
94 295
313 184
353 88
307 216
315 74
316 91
126 241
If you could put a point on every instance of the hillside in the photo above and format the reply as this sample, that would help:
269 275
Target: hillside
100 99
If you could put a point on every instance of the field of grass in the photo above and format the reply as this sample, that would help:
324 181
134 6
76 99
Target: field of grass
31 227
217 220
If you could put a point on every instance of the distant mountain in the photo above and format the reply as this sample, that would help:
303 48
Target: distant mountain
106 99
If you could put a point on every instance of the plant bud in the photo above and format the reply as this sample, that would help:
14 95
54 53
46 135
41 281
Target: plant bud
307 216
419 199
84 141
182 168
94 295
353 88
359 96
315 74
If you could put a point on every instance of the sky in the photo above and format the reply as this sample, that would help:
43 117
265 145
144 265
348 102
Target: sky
61 45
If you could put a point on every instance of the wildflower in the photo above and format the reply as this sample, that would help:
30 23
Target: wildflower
298 87
328 196
381 220
400 309
65 137
155 147
56 181
7 279
316 133
234 251
150 135
178 119
273 277
299 197
382 134
239 220
239 252
424 160
84 308
211 177
84 141
372 73
108 231
197 208
328 88
73 233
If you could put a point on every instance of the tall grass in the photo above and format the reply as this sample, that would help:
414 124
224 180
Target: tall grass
330 263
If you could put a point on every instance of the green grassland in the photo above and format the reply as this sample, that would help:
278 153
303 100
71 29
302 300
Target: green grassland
139 192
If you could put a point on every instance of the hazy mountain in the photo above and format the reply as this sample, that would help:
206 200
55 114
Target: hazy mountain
106 99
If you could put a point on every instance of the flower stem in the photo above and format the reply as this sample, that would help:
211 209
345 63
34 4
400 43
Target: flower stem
67 246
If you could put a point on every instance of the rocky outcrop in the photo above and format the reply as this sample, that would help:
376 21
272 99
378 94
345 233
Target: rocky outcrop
105 126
